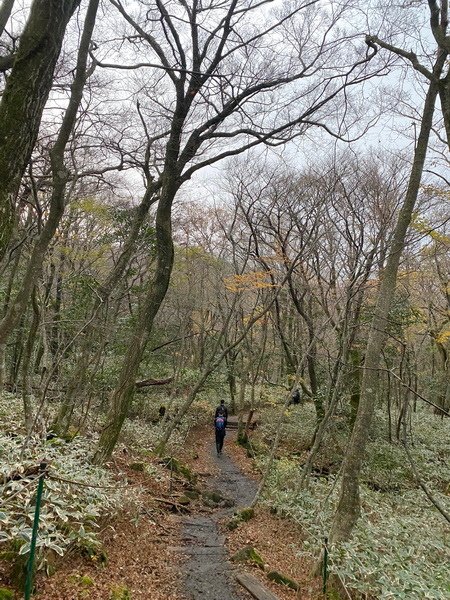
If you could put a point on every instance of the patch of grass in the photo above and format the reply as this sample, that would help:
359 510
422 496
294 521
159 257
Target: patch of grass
120 593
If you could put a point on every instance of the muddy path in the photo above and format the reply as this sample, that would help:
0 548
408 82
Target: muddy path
208 574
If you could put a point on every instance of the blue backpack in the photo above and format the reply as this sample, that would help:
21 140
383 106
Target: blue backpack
220 423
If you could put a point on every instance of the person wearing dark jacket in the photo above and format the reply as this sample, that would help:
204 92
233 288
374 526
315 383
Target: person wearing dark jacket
220 423
295 398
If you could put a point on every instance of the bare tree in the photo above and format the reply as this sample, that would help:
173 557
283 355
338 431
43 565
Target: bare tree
25 96
438 26
348 509
224 76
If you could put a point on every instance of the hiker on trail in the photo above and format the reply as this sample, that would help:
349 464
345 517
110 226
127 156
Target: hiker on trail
295 398
220 423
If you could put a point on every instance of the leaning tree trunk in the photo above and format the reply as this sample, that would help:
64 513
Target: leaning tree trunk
348 509
75 388
123 394
26 92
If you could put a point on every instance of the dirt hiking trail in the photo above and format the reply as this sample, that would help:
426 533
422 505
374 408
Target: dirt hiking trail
208 573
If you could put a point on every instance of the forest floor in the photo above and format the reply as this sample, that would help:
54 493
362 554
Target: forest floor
277 540
177 545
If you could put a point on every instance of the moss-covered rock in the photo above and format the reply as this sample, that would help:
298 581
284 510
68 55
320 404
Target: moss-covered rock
86 581
94 552
282 580
192 494
214 498
6 594
242 516
184 500
138 466
248 554
246 514
233 523
177 467
82 580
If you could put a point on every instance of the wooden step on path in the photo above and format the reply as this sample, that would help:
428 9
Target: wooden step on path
256 589
232 422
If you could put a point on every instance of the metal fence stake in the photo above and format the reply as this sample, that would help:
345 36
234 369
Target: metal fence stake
325 566
37 510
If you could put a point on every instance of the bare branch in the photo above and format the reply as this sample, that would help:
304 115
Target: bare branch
411 56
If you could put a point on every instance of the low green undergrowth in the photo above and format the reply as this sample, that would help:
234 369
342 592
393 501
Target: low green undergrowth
400 546
76 493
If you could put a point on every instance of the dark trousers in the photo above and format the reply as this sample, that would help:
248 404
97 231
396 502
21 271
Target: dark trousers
220 435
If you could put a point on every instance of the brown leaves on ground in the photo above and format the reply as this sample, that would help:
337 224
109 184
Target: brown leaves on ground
137 544
278 541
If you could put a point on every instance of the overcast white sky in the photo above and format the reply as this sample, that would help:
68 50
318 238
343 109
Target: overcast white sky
393 132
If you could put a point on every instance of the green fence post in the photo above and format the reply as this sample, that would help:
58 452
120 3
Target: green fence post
325 566
171 475
37 510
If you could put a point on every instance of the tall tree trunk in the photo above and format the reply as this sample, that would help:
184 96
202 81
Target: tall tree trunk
348 509
443 397
27 364
123 394
307 315
231 379
3 341
444 94
354 382
5 13
59 179
16 355
24 98
56 334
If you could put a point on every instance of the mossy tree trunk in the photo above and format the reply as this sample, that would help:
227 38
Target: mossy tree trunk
5 13
348 509
124 392
26 92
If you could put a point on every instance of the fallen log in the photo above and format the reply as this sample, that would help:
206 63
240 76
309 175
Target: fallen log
256 589
147 382
173 504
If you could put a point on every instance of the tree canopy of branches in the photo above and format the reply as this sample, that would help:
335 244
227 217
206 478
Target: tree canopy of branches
190 196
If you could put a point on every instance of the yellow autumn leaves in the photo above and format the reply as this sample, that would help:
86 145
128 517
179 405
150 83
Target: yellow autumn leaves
254 280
